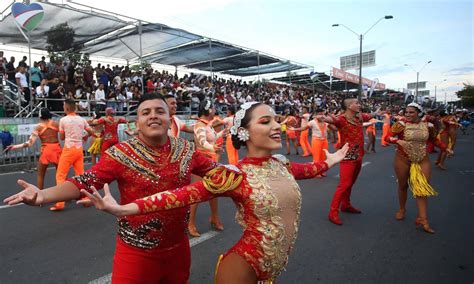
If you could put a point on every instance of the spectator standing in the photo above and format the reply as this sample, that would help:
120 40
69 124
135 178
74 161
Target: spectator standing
100 99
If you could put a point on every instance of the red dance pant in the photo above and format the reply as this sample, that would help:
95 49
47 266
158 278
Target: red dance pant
139 266
349 171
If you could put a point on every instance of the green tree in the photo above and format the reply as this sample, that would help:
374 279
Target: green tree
466 95
62 45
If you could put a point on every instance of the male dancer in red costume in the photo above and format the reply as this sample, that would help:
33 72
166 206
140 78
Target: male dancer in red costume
110 123
349 125
151 248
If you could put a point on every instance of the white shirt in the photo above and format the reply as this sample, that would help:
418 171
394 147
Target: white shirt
316 131
23 81
99 96
40 93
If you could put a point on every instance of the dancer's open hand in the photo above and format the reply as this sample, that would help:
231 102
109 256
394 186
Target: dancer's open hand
30 195
336 157
108 203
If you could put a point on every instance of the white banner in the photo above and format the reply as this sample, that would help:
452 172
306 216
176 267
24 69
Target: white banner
26 129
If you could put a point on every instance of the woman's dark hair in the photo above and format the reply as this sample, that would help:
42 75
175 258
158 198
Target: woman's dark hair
236 142
202 105
232 109
45 114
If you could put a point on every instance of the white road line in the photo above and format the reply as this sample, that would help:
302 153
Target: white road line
10 206
12 173
363 165
106 279
23 172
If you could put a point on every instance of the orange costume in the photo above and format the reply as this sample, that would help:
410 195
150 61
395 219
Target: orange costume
268 201
292 122
50 151
385 129
304 136
177 125
232 153
371 129
72 127
319 140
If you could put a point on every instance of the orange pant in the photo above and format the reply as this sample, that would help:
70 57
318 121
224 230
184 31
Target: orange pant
70 157
385 129
305 143
232 153
317 147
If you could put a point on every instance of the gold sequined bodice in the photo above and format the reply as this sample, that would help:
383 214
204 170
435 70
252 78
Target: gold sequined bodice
275 200
416 135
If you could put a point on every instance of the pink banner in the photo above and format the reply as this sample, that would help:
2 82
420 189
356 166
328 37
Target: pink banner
349 77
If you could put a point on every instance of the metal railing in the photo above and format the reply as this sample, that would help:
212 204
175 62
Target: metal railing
27 158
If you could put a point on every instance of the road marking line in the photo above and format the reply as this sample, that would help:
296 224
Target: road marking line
24 172
12 173
363 165
10 206
106 279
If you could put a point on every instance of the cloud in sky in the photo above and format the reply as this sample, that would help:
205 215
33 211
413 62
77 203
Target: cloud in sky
463 70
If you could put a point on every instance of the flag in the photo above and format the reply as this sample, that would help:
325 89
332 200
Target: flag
373 85
313 75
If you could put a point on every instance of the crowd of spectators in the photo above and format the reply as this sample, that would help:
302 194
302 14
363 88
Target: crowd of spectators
120 87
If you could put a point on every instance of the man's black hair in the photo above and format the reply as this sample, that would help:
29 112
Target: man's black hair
151 96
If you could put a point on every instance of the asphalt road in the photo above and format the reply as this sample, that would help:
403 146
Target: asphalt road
76 245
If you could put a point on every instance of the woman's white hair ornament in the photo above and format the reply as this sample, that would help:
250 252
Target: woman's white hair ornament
243 134
418 107
239 116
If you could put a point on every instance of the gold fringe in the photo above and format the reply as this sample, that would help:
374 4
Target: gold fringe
220 180
217 267
418 183
95 146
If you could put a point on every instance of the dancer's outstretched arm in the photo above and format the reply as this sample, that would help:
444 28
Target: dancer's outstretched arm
218 182
313 169
32 195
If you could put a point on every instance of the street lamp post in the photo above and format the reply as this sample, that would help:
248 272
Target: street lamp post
417 77
361 37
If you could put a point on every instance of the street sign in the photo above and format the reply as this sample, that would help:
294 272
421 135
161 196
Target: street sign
352 61
412 86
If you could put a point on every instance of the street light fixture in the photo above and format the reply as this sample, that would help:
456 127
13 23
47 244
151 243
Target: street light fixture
361 37
417 77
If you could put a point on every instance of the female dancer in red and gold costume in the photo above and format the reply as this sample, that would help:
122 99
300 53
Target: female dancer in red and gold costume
412 163
205 140
263 188
47 131
448 136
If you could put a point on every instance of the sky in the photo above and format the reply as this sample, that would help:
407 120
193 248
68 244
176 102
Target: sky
437 30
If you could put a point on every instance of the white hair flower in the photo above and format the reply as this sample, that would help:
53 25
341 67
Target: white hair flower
243 134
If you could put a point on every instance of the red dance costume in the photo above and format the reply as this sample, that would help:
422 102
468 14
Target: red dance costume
268 201
109 135
151 248
351 132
